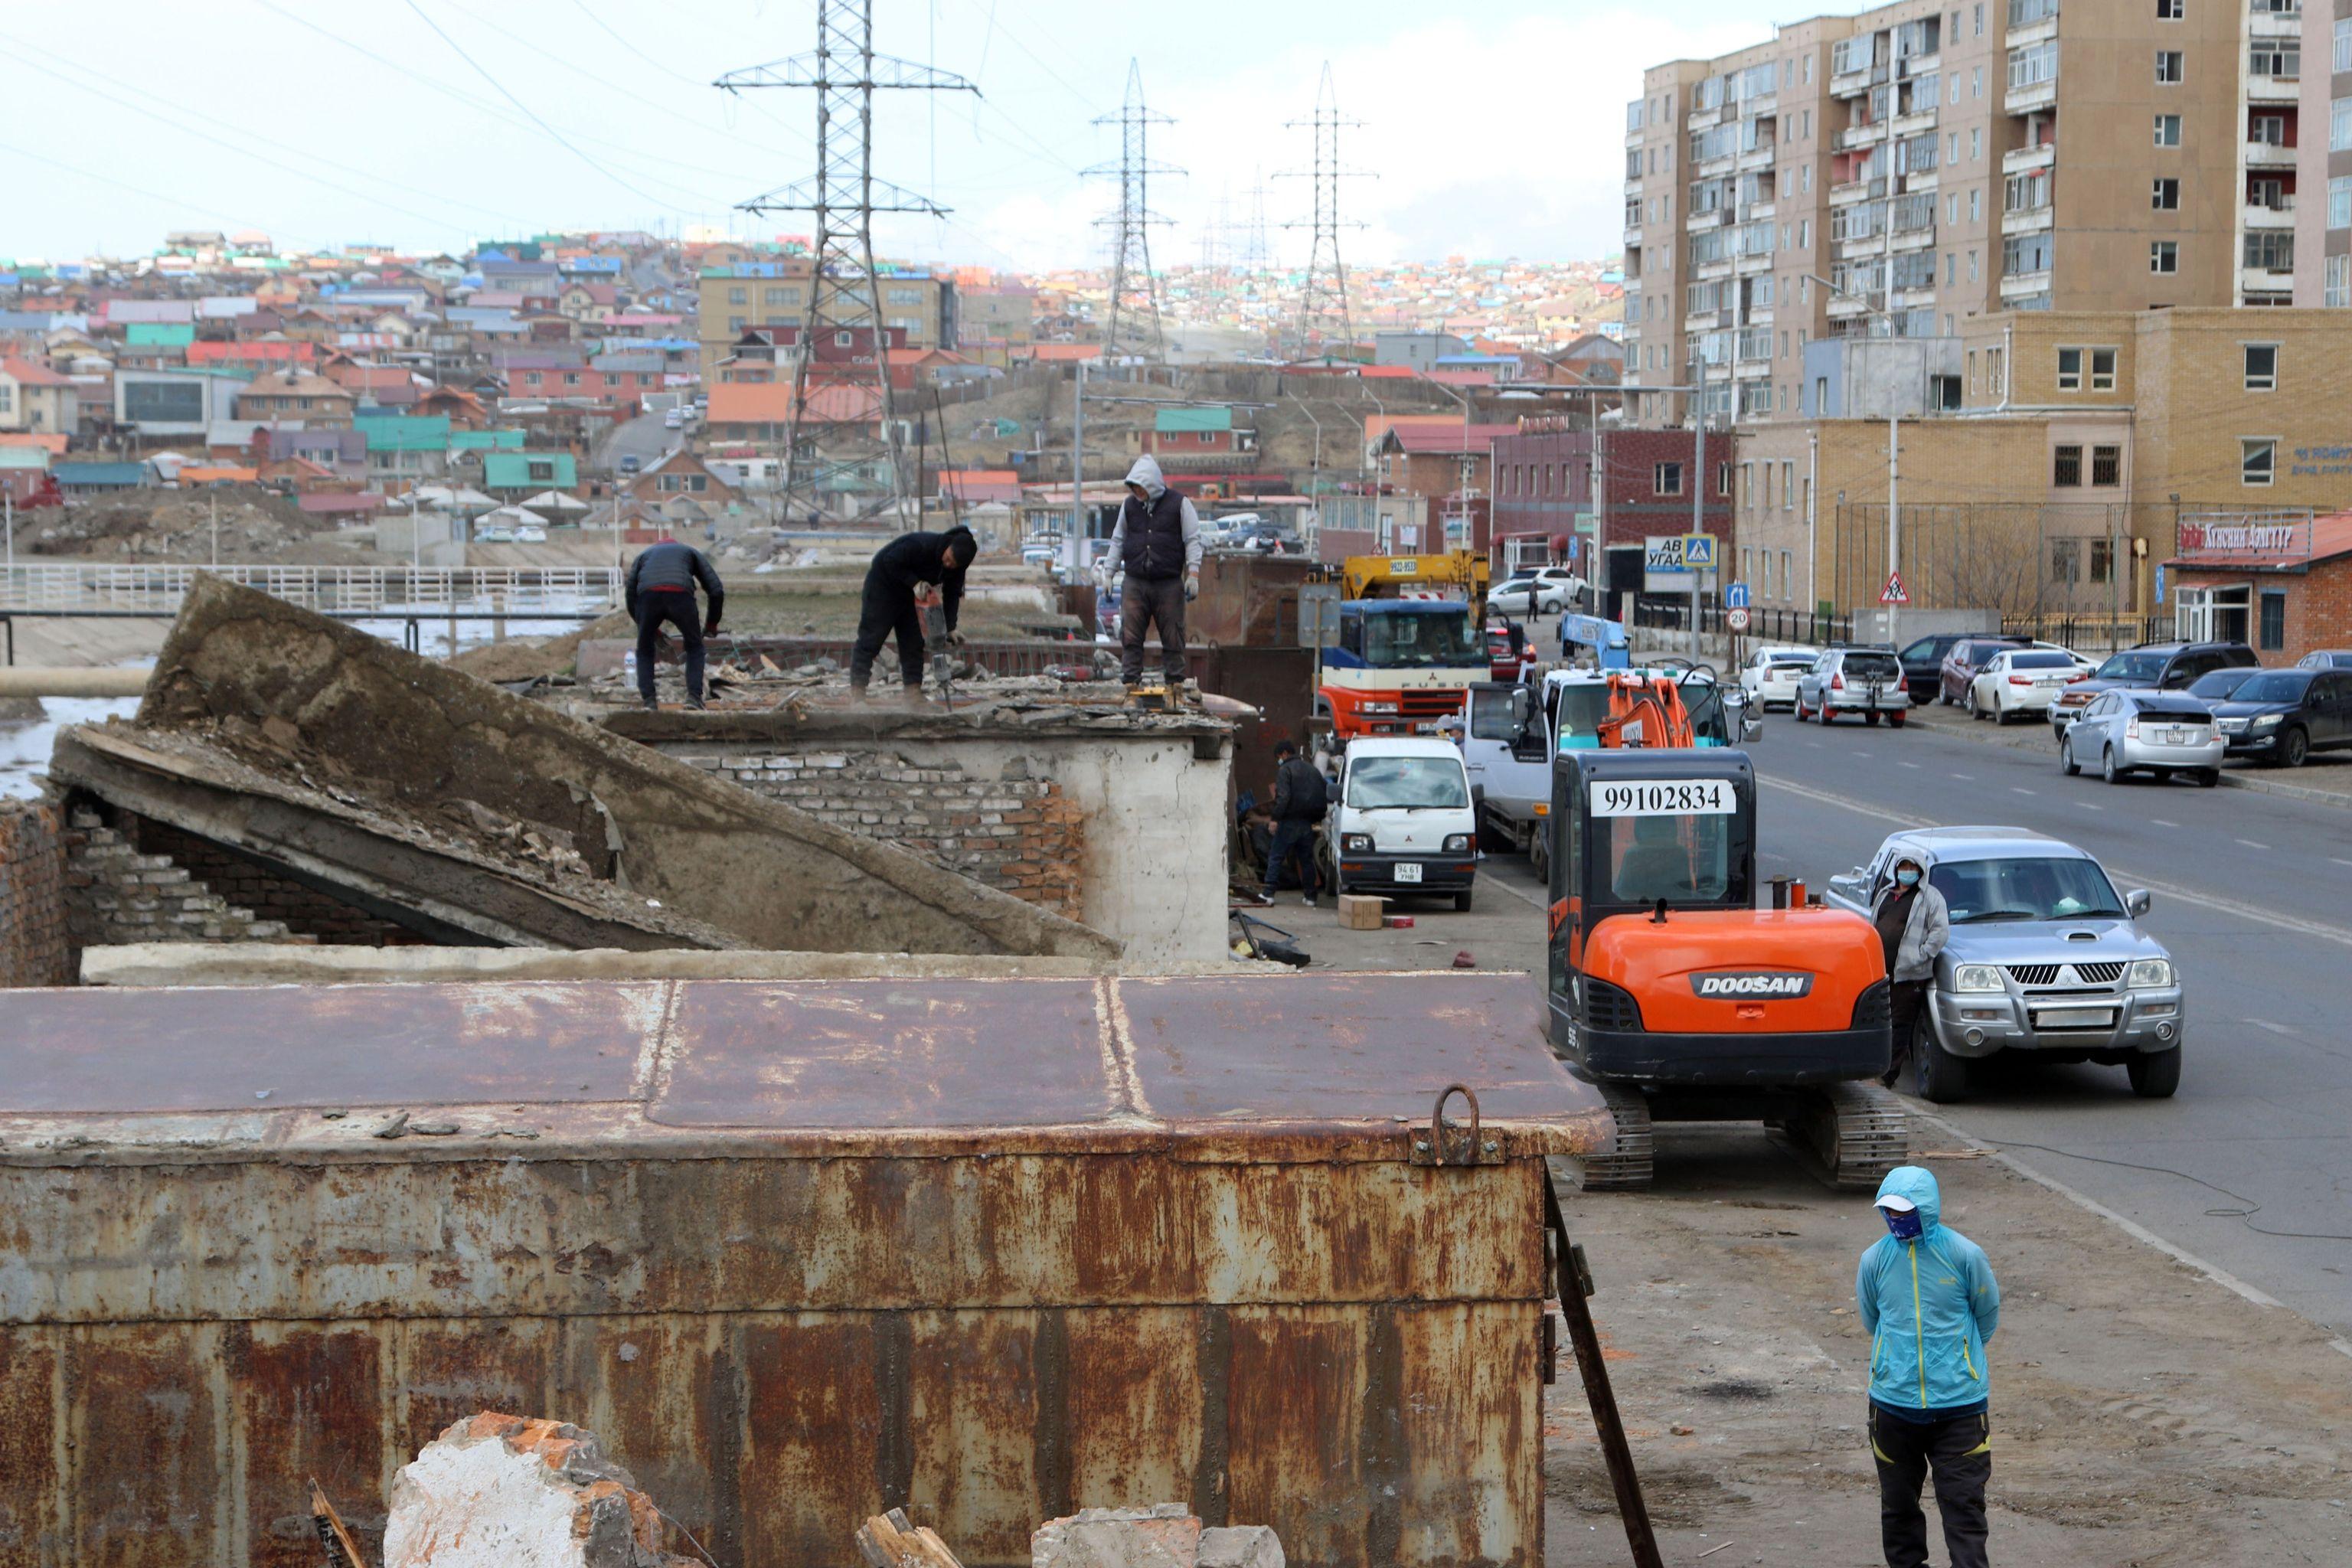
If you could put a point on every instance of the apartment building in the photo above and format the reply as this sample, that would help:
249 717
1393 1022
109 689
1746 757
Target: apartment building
735 296
1902 170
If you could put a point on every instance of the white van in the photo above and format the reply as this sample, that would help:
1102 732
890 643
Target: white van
1402 819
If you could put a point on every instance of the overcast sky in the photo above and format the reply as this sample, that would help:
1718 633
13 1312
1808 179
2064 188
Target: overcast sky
324 121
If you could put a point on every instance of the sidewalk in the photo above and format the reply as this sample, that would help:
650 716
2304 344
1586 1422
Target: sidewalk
2325 780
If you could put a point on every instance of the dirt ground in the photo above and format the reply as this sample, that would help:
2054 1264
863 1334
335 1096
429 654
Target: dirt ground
2144 1414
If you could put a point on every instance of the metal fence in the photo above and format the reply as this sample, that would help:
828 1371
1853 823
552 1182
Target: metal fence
1662 612
2091 634
335 590
2089 560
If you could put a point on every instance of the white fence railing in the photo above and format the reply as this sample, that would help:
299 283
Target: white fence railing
343 590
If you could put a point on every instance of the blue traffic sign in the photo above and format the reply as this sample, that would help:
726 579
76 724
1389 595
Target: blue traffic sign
1735 595
1698 551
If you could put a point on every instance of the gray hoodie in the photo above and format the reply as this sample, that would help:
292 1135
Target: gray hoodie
1146 473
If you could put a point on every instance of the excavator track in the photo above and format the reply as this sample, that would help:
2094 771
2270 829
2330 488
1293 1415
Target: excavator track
1629 1164
1850 1135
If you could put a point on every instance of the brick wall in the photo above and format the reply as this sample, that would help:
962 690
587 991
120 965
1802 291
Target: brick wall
117 894
34 945
1015 832
247 885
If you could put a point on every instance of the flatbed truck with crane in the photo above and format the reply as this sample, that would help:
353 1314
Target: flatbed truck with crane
1409 643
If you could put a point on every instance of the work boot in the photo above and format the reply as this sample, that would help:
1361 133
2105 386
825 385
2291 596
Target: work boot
651 706
915 698
1308 900
695 703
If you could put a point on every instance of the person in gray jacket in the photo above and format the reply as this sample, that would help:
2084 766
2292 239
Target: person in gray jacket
1157 543
1914 923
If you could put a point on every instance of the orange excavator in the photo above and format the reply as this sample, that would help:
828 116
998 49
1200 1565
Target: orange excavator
1671 990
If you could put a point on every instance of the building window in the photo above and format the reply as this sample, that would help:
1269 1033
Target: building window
1972 265
2164 256
2168 130
2106 466
2065 561
2281 59
1667 480
2274 620
2339 125
2168 10
734 323
2343 44
2262 367
738 295
2066 467
2339 202
2171 67
2103 370
2070 370
2337 286
2270 250
2257 459
2164 196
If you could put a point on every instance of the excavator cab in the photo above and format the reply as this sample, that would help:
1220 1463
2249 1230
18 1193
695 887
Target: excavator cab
1671 992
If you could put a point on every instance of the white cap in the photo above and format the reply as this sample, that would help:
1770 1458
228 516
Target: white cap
1896 1202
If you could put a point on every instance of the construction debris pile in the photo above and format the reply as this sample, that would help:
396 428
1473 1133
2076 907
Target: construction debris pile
497 1490
251 524
754 681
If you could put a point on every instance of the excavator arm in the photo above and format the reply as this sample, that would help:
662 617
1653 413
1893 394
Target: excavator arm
1629 698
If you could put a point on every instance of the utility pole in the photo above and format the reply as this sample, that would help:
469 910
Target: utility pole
1132 221
835 397
1323 315
1894 469
1074 541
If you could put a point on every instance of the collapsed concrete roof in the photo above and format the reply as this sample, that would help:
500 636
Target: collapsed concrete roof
442 802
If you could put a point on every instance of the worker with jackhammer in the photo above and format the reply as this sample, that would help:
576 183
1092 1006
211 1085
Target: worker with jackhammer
660 587
1157 543
906 575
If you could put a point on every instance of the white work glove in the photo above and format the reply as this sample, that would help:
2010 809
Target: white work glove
1192 587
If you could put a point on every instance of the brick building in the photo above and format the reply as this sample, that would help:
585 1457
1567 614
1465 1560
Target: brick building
1543 485
2281 583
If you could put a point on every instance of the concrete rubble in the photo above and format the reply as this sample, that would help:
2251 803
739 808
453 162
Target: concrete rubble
1164 1535
500 1491
437 801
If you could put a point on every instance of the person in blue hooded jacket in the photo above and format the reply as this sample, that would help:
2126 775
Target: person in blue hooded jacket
1928 1297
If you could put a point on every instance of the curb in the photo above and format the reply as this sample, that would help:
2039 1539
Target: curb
2231 779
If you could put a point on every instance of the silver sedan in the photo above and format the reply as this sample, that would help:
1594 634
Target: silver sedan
2128 731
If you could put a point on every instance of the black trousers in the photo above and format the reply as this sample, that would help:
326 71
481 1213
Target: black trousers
1293 839
1958 1450
1160 602
888 610
678 610
1905 998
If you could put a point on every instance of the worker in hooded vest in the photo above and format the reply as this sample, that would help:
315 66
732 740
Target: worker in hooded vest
1158 544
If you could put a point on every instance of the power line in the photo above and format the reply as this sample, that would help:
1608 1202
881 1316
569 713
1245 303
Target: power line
1131 222
531 114
1323 303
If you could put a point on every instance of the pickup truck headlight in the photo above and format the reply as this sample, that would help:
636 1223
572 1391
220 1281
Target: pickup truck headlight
2149 972
1355 843
2267 722
1457 844
1977 977
1380 707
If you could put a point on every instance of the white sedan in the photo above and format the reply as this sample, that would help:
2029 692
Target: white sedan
1769 676
2081 666
1529 596
2019 681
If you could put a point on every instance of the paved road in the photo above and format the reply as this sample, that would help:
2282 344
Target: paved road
644 437
2249 895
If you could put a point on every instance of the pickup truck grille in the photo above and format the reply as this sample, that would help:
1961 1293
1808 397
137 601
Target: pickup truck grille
2047 974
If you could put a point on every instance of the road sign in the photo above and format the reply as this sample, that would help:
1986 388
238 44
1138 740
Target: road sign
1735 595
1663 552
1698 551
1894 594
1736 618
2159 583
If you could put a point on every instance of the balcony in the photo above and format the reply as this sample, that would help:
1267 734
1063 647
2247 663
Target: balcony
1860 135
2278 212
1846 307
2034 32
1759 211
1757 158
1706 321
2025 160
2031 97
1634 238
2276 24
1920 238
2265 280
2269 155
1854 191
2027 220
2272 88
1703 119
2018 286
1700 221
1914 124
1912 299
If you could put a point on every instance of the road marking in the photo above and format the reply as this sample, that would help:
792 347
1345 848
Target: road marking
2251 844
2275 1028
2020 789
1907 765
2088 805
2161 823
2341 860
2337 934
1969 777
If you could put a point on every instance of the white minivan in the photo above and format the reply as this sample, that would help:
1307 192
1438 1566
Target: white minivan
1403 820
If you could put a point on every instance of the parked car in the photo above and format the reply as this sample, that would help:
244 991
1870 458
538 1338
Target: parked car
1962 659
674 418
631 463
1529 596
2216 685
2083 665
2160 667
2282 716
1769 676
2019 680
1923 662
2045 957
1865 680
2325 658
1402 819
2131 730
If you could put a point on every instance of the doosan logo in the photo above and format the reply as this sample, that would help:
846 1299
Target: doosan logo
1753 983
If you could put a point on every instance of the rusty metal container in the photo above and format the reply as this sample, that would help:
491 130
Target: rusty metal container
991 1250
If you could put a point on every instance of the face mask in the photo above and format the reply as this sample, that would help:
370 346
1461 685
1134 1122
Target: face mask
1903 1223
1908 878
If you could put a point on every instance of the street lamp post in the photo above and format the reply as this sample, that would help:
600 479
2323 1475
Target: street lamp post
1894 460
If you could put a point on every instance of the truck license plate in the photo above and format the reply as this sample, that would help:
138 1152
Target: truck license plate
2075 1018
1409 872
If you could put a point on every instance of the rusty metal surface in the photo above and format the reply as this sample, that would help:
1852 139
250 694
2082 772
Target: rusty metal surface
68 1049
1221 1281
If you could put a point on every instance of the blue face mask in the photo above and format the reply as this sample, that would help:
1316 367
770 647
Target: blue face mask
1903 1223
1909 879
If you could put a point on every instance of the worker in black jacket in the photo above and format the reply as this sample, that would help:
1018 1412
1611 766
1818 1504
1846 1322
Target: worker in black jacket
906 574
1301 799
660 587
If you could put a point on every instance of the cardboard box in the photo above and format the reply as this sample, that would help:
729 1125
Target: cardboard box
1361 912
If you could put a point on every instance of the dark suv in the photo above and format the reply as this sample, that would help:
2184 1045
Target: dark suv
2157 665
2283 716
